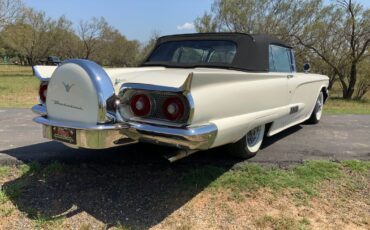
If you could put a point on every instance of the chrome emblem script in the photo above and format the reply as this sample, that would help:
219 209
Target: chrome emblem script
68 86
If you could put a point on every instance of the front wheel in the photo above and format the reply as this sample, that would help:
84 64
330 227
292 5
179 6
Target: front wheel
249 145
317 111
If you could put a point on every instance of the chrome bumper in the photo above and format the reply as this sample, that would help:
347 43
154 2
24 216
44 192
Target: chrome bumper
89 136
112 135
200 138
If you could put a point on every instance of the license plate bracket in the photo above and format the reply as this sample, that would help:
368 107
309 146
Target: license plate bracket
66 135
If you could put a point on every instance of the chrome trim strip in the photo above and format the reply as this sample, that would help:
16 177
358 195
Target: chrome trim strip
201 137
148 87
78 125
101 82
40 110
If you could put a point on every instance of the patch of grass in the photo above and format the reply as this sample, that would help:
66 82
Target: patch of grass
120 226
3 197
13 191
5 171
9 192
304 224
9 70
53 168
250 177
18 91
35 168
357 166
31 168
6 211
277 223
201 177
44 222
341 106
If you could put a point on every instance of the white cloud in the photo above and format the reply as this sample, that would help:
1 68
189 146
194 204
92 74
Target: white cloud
186 26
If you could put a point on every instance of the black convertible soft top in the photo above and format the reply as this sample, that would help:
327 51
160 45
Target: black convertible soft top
252 52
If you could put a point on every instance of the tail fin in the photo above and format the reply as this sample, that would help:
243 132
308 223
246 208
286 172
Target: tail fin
43 73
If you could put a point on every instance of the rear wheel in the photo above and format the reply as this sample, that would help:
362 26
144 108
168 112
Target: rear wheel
317 111
249 145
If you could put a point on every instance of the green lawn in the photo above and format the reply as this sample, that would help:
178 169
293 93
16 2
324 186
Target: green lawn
18 91
18 87
340 106
11 70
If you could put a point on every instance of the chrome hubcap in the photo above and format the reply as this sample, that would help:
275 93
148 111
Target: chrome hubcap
252 136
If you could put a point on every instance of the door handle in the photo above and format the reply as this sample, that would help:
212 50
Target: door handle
289 76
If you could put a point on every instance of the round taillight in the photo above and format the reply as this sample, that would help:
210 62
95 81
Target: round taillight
140 105
173 108
43 92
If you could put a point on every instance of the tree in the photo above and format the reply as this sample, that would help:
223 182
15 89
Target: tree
113 49
335 36
149 46
340 36
90 32
205 24
67 43
363 84
10 10
278 17
34 36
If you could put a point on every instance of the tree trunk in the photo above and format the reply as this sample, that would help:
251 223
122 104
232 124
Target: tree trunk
331 82
347 94
30 61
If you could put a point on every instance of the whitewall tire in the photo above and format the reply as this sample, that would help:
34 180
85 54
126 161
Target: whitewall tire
249 145
317 111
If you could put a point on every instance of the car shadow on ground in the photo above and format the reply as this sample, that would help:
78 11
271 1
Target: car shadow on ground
268 141
133 185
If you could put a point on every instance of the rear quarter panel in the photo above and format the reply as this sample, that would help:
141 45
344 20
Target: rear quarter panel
237 101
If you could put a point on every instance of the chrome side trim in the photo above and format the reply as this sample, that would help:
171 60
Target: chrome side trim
200 138
101 82
78 125
148 87
40 110
184 91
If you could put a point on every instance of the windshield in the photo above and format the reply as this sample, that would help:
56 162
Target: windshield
200 52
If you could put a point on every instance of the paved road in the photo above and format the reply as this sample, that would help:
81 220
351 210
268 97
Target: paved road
337 137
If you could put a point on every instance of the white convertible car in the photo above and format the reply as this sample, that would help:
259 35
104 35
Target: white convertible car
194 92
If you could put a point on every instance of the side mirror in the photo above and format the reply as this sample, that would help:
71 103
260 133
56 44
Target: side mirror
306 67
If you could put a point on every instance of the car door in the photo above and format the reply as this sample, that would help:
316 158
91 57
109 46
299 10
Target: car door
281 61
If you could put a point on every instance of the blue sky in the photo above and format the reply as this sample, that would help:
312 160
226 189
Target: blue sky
136 19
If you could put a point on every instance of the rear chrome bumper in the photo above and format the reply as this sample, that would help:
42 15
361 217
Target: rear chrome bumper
89 136
111 135
199 138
